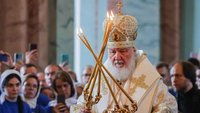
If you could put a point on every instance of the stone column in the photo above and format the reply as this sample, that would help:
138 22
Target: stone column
170 30
33 21
27 21
43 33
13 25
2 21
37 29
52 31
65 29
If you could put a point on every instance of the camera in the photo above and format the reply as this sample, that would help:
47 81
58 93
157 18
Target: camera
3 57
32 46
64 58
61 99
18 57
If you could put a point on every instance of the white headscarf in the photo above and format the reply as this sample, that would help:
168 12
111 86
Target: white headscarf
69 101
4 75
31 102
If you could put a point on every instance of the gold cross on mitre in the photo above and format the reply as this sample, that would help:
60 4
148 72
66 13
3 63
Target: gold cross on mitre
139 82
119 7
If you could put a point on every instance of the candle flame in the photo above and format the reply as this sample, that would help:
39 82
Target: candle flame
81 31
108 15
111 18
77 32
112 14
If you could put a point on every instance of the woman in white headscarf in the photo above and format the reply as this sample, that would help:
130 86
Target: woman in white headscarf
31 90
10 100
64 87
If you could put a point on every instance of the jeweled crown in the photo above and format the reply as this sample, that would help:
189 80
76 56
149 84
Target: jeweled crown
123 32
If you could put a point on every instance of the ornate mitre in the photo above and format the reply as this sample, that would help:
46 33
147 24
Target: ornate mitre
123 32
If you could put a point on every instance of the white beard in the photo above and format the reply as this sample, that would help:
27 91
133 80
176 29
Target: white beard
121 74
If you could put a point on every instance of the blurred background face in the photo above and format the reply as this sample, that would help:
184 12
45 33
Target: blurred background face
50 72
49 93
79 90
164 72
41 78
179 81
86 75
30 88
63 88
12 88
26 70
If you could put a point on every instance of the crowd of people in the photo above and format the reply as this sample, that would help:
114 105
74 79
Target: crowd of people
27 89
165 88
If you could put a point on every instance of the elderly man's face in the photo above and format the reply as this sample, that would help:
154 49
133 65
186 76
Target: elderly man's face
121 63
120 57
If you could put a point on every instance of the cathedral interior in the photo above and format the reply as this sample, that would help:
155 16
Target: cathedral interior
168 29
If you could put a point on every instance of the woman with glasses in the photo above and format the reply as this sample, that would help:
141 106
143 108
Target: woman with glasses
10 100
31 90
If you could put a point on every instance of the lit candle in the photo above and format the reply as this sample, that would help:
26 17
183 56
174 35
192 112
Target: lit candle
79 32
107 15
107 21
112 14
110 23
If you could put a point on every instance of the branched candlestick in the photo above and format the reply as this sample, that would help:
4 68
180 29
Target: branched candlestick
98 71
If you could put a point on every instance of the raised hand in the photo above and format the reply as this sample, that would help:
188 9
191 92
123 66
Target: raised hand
31 56
60 108
9 61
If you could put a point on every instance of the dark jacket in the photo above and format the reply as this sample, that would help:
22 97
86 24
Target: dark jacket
189 102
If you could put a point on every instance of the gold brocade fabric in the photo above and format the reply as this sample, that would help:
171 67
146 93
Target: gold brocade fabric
132 85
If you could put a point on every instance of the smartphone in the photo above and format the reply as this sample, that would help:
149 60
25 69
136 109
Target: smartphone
61 99
32 46
18 57
3 57
64 58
